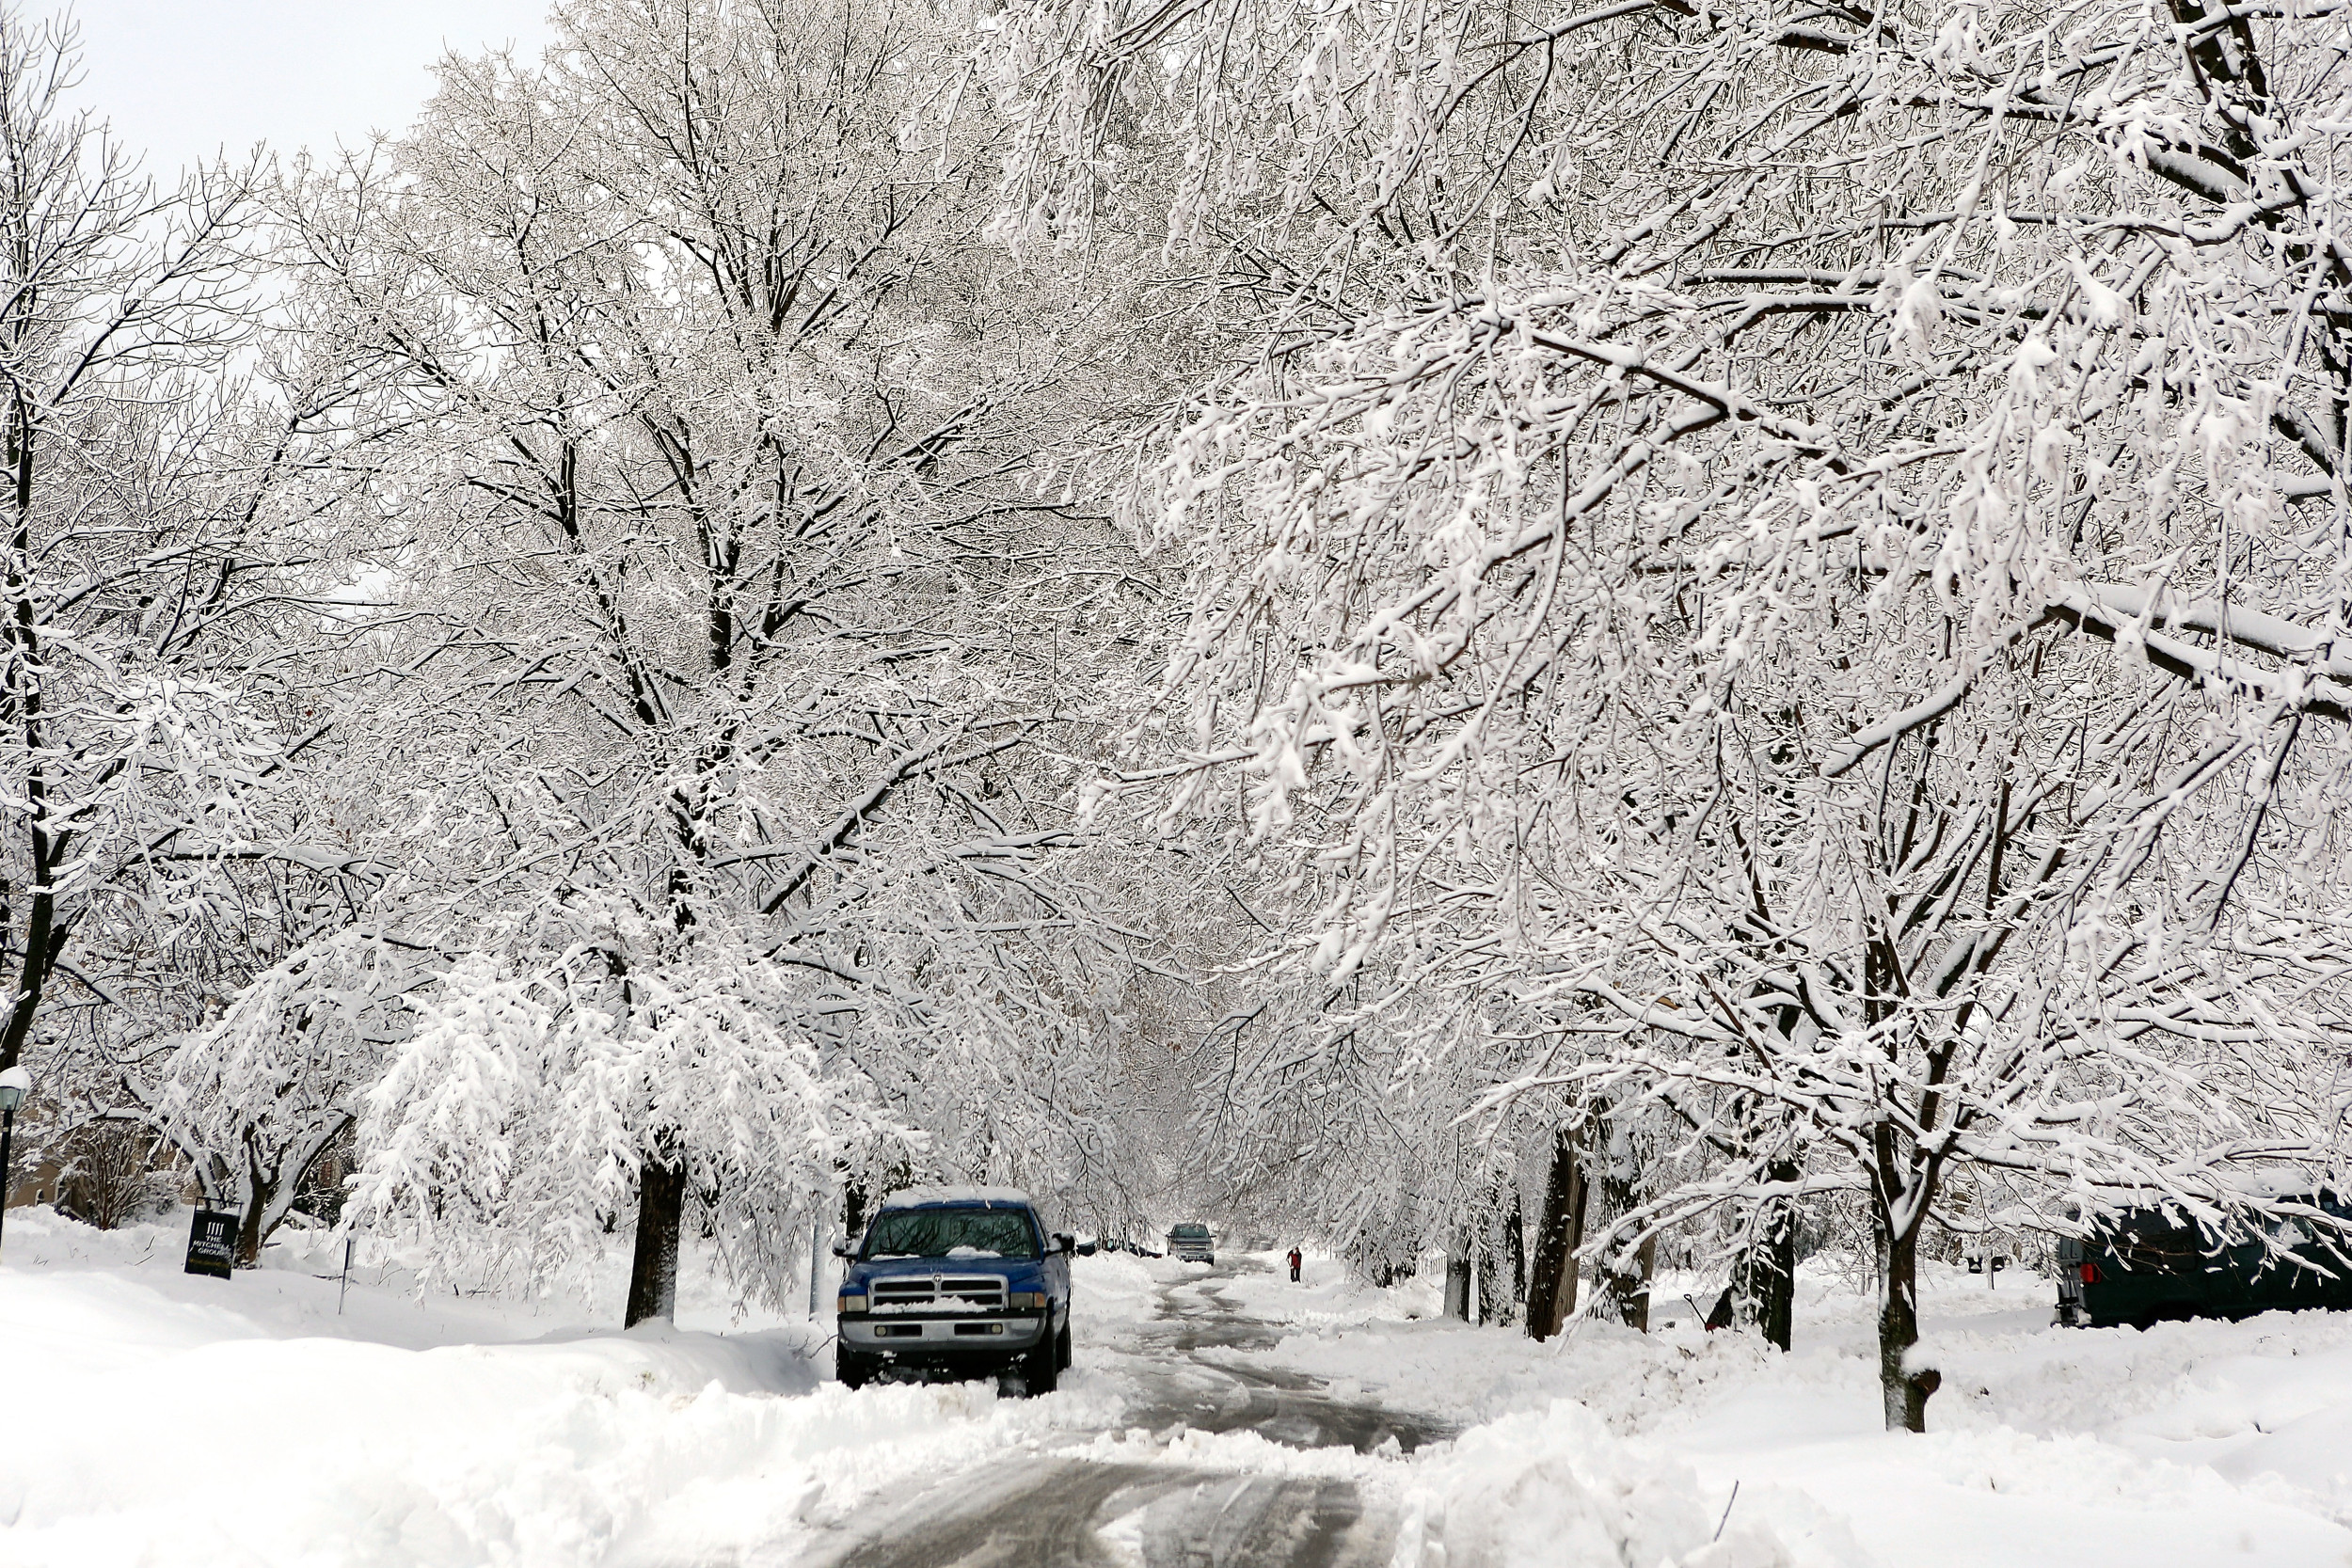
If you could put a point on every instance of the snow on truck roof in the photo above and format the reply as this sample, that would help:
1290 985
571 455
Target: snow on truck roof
934 1197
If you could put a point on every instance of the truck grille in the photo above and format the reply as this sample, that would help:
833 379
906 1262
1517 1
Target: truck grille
949 1292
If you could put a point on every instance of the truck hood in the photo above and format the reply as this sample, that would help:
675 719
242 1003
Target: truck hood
1020 1274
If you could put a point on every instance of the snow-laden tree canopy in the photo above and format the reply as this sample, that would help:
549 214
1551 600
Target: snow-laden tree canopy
690 672
1727 611
1795 554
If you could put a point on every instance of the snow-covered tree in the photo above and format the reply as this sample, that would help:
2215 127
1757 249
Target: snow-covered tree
1799 550
253 1097
145 571
709 431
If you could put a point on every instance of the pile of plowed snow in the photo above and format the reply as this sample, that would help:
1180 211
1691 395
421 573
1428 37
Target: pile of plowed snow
2188 1445
156 1418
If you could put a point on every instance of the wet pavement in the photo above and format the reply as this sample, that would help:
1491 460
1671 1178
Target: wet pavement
1044 1511
1209 1393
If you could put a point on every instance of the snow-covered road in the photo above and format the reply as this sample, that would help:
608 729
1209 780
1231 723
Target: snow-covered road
1062 1513
1053 1511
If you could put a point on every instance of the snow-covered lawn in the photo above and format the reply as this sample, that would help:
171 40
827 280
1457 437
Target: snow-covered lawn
2191 1444
152 1417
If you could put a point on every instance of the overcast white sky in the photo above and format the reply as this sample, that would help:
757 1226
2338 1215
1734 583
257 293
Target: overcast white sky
180 79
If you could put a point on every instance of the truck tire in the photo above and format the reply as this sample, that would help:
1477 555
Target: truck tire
1042 1373
850 1368
1062 1349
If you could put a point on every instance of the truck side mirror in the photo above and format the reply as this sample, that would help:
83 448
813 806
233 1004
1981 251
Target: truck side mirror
845 1249
1064 1243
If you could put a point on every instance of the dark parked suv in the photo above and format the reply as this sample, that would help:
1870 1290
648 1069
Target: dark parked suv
951 1283
2142 1266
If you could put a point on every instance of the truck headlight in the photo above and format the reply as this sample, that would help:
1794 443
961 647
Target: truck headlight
852 1303
1027 1301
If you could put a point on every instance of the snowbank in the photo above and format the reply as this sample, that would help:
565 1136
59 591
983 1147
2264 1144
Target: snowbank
166 1419
1554 1485
2191 1444
1117 1288
157 1419
1328 1294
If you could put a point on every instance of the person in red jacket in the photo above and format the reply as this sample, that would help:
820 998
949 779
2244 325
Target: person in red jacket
1294 1265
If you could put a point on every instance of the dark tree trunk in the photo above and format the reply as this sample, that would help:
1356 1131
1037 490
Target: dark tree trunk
250 1228
1514 1245
653 1272
1649 1271
1501 1264
1559 1231
260 1187
854 1199
1765 1281
1620 1284
1779 1315
250 1238
1906 1392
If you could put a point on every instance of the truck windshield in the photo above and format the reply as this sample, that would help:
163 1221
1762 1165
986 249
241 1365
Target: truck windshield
952 1233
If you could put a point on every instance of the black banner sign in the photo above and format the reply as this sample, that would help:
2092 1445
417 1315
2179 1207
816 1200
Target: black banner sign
212 1242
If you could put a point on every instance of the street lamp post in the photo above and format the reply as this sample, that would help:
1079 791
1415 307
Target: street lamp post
14 1084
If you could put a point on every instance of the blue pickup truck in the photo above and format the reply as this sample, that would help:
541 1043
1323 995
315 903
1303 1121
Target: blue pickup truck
953 1283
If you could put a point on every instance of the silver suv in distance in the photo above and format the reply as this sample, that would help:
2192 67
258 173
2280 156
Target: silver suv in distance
1193 1243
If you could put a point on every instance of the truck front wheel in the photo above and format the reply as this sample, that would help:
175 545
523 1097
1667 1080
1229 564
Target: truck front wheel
1042 1373
1061 1348
850 1368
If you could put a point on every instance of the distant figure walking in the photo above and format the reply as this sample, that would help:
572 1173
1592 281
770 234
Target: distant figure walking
1294 1265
